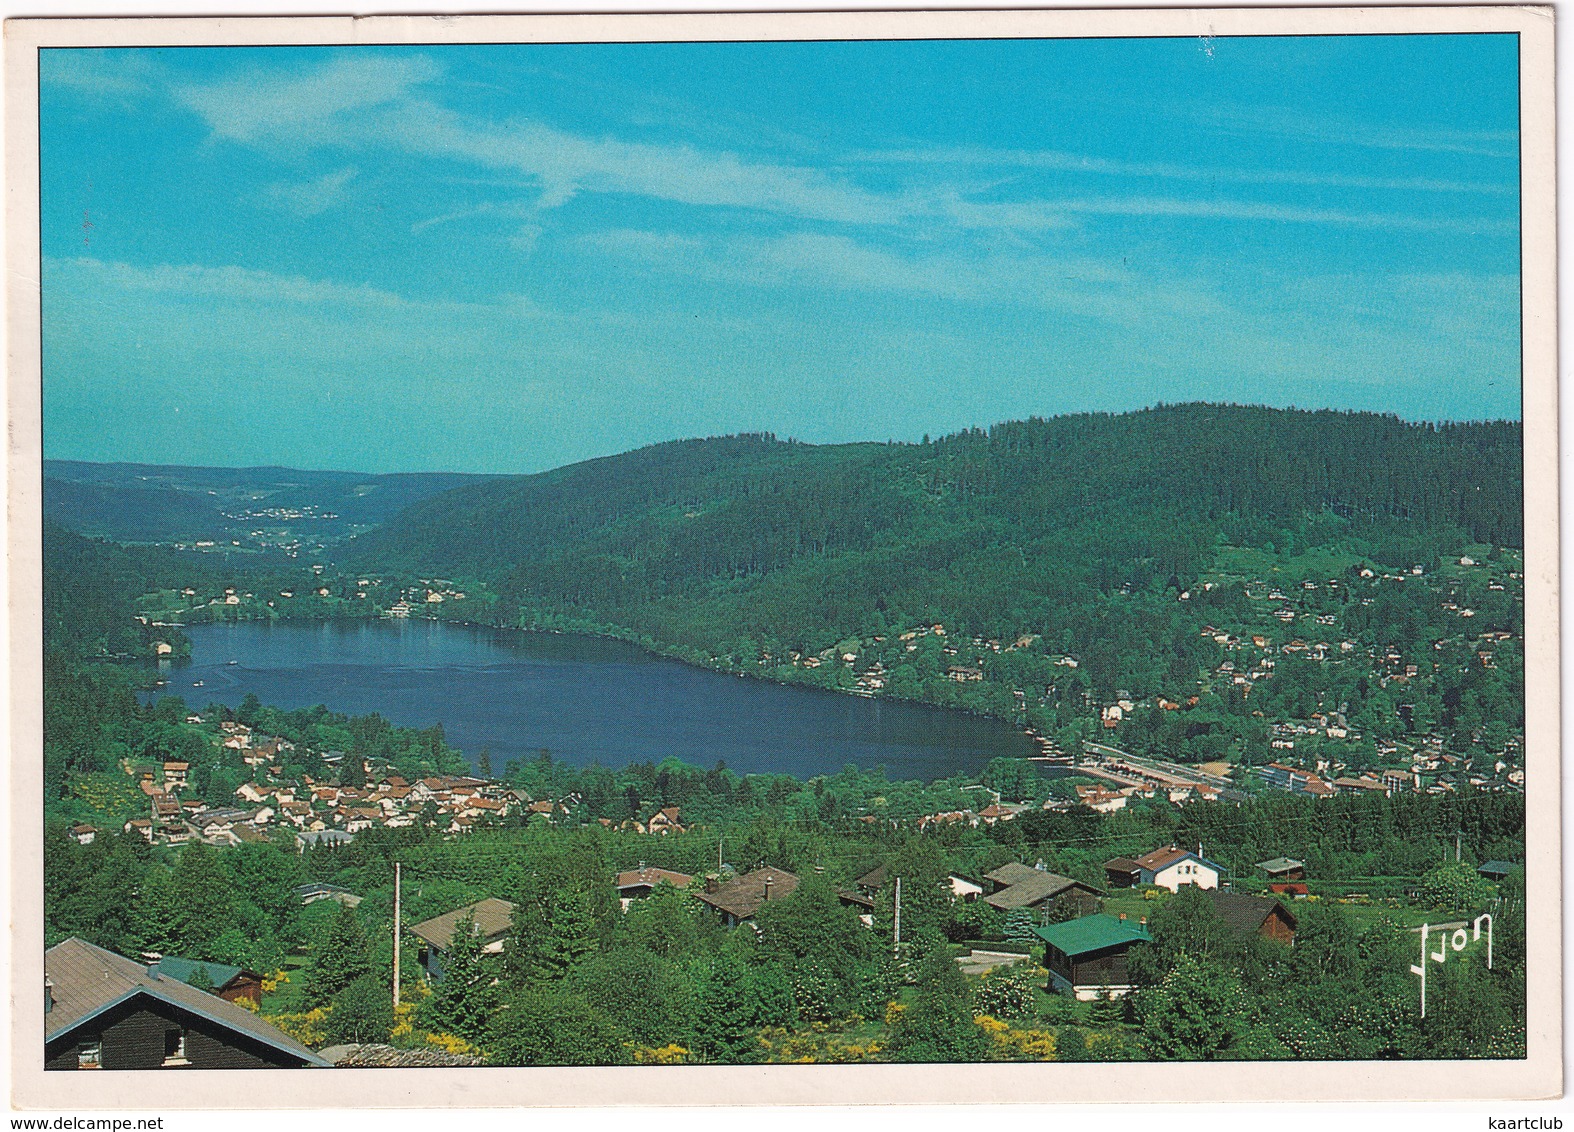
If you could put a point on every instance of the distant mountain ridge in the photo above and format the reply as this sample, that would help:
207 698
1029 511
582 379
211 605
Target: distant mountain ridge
751 535
160 503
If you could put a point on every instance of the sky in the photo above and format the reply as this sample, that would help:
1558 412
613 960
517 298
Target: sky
508 258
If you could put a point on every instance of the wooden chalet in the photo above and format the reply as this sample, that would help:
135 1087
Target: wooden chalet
104 1011
492 919
1019 886
1086 957
1255 915
1496 871
740 898
229 983
642 881
1122 872
1283 868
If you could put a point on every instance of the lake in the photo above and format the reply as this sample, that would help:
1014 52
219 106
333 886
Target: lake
584 699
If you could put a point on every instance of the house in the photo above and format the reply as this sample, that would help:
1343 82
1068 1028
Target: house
229 983
321 890
643 881
1283 868
1018 886
1255 915
175 775
740 898
872 881
1295 889
492 920
142 826
104 1011
83 834
1086 957
964 888
1172 867
1496 870
665 820
1122 872
325 838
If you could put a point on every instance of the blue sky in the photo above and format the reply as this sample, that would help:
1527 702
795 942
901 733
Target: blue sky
507 258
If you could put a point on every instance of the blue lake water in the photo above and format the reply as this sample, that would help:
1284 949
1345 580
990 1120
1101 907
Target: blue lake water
584 699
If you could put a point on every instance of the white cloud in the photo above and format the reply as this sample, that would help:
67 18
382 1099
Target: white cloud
1062 162
1082 285
313 197
106 73
238 284
264 107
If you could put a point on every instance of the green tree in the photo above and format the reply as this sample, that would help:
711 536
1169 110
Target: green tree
551 1025
340 957
939 1026
362 1012
1454 887
1197 1012
466 996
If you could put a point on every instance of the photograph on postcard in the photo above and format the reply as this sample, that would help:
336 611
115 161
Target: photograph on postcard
807 551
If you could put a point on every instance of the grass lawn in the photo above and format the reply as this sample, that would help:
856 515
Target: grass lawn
290 998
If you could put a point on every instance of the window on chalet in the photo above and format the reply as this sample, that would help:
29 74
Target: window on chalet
175 1047
90 1055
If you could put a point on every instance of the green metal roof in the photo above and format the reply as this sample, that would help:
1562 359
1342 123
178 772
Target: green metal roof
183 969
1092 933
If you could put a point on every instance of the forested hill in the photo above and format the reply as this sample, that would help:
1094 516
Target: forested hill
1002 531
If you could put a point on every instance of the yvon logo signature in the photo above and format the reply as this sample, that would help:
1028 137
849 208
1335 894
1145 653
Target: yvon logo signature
1449 937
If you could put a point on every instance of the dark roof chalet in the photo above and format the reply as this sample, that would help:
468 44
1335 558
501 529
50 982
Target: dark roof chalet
1013 872
86 980
1123 865
1247 914
873 880
742 896
219 974
1036 889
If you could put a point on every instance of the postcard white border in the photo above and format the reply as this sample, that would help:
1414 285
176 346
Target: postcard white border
1539 1076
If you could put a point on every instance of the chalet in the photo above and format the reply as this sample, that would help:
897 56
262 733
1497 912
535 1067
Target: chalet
1173 867
491 920
322 838
175 775
1496 870
229 983
665 820
964 888
1283 868
872 881
140 825
104 1011
643 881
1255 915
740 898
165 807
321 890
1086 957
1122 872
1018 886
83 834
